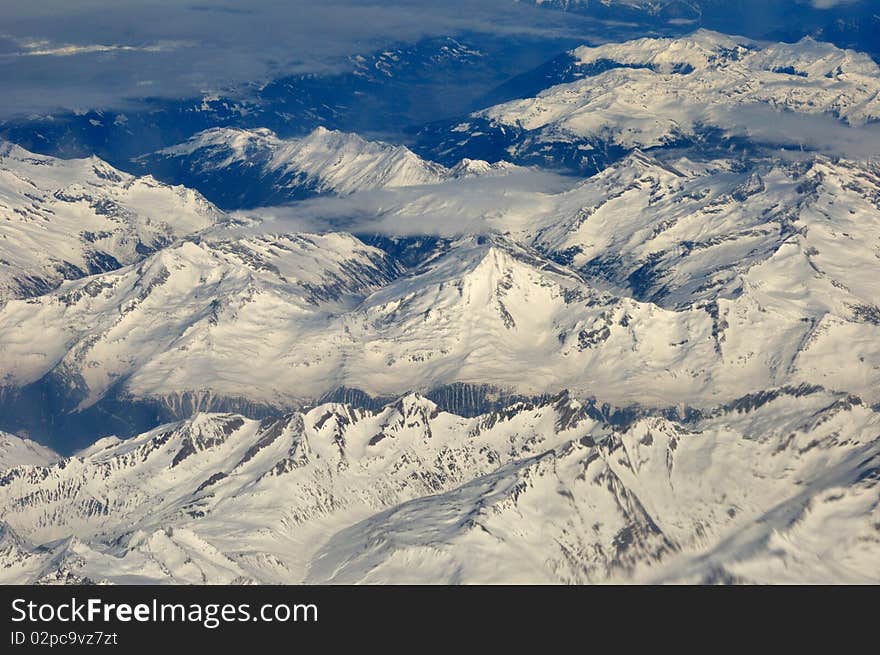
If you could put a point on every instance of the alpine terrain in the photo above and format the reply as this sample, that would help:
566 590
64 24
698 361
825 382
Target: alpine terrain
618 324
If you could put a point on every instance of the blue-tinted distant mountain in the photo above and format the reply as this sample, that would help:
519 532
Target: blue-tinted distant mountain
390 92
639 10
589 107
378 93
238 168
849 24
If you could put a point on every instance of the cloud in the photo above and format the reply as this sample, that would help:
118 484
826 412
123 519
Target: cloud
461 206
98 53
829 4
793 131
46 48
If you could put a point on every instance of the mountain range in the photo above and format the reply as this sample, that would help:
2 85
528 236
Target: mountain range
775 487
620 325
268 170
707 90
67 219
846 23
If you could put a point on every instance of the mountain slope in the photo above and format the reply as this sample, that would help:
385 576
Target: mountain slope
469 316
15 451
651 93
540 493
677 231
66 219
244 168
767 251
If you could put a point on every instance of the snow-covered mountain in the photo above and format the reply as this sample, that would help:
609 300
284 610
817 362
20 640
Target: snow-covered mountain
66 219
240 319
719 245
276 321
465 372
846 23
678 231
659 283
551 492
627 8
15 451
652 93
245 168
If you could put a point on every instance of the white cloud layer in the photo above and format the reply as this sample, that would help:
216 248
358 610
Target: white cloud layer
44 48
459 206
828 4
95 53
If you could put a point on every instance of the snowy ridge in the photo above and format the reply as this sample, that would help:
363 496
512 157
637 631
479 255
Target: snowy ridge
469 317
207 311
701 50
652 93
66 219
649 6
324 161
706 50
677 231
543 493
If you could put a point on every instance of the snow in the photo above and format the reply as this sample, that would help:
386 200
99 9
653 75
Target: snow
324 161
16 451
684 282
668 89
536 493
65 219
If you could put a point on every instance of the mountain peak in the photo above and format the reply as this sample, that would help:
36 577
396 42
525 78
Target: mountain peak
415 404
698 50
67 219
254 167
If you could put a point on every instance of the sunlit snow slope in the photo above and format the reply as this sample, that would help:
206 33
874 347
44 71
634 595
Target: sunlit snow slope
66 219
781 486
241 168
667 371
